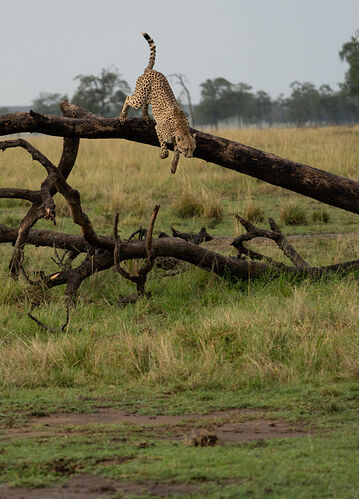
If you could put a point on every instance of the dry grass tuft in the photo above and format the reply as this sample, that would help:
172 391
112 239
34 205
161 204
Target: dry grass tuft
293 214
253 212
202 203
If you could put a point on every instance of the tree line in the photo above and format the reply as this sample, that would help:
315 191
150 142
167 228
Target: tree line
234 104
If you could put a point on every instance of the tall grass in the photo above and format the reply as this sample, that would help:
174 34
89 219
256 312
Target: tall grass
196 330
215 335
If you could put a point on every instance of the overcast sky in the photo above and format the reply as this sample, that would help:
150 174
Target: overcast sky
265 43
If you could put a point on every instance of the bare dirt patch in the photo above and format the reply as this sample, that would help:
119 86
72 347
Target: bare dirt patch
231 426
205 430
108 415
89 486
258 429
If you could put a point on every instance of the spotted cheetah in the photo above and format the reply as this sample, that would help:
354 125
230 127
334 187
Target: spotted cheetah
171 123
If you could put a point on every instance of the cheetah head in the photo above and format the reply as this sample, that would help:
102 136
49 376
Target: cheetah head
186 144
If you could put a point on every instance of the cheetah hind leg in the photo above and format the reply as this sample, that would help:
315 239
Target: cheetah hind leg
138 99
124 111
175 161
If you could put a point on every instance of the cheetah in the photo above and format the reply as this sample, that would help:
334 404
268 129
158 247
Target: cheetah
171 122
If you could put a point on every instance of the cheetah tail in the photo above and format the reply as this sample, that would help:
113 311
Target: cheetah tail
152 45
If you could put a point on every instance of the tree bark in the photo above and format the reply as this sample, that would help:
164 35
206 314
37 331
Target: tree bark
303 179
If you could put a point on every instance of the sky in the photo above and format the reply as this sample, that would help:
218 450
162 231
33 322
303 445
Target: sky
265 43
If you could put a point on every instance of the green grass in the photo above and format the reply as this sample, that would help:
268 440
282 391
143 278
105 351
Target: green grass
200 343
322 464
274 469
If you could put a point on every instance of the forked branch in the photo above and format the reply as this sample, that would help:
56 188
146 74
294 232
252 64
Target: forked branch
275 234
140 278
43 205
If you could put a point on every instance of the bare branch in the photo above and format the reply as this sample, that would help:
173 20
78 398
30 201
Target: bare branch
49 328
115 226
286 247
149 248
181 79
34 213
275 234
43 204
79 217
35 153
140 278
16 193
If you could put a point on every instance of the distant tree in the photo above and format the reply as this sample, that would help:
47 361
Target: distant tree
103 94
213 106
221 100
279 110
350 54
214 89
303 103
47 103
329 105
240 102
181 79
348 108
262 107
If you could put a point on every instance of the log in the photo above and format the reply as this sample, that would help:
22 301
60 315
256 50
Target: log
163 247
206 259
303 179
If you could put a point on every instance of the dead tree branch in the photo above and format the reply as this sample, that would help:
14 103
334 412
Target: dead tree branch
181 79
140 278
193 238
222 265
42 200
49 328
275 234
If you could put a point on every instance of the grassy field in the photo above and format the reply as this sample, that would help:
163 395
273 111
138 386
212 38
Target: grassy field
286 348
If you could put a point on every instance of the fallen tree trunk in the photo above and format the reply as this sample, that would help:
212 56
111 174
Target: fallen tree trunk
303 179
164 247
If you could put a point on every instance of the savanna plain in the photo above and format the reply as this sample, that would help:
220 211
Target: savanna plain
207 387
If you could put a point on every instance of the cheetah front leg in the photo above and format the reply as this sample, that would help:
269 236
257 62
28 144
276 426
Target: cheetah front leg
175 160
145 115
163 145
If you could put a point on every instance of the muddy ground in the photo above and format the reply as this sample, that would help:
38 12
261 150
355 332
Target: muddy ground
216 428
